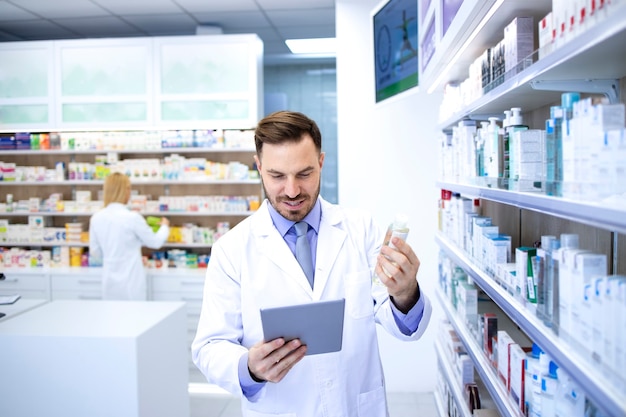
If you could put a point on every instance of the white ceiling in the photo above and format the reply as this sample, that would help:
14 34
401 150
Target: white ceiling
273 20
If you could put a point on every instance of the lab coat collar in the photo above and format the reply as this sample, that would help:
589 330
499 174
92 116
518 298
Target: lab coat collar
331 238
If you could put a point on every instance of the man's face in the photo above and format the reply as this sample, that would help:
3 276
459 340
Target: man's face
291 174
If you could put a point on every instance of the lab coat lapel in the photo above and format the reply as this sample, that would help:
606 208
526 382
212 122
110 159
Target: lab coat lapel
329 242
274 247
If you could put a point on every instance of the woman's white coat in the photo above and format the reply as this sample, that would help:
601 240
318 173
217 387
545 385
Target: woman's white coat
116 234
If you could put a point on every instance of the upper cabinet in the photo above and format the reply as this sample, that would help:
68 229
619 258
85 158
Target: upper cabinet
104 81
26 84
211 81
207 78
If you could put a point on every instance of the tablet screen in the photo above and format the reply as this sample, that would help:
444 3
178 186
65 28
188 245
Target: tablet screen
319 325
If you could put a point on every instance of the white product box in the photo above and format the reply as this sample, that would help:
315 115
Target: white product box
504 341
467 303
527 156
498 251
566 281
36 222
587 267
525 289
517 365
614 353
83 196
506 276
546 33
599 297
519 41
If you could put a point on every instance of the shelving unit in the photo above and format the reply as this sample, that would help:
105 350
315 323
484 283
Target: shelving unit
592 62
593 379
500 396
453 384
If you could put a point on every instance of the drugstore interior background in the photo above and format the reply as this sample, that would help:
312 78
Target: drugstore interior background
387 151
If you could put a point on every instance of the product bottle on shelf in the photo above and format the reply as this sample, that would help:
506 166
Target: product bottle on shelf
570 399
561 287
511 156
566 176
480 137
552 279
532 380
399 228
493 162
541 275
554 159
549 388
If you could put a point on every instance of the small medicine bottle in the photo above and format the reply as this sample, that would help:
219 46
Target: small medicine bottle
399 228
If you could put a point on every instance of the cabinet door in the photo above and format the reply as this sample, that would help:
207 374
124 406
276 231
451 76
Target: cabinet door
104 82
26 85
76 284
29 283
208 81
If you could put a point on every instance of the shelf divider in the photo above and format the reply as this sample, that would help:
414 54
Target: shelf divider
592 214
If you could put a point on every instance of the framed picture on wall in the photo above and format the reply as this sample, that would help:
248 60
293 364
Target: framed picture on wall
395 47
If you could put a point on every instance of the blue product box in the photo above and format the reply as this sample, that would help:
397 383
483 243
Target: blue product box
7 142
22 141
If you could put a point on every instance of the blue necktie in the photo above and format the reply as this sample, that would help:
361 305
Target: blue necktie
303 250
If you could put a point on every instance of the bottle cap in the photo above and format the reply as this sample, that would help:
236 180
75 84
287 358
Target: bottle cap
569 241
516 117
553 369
536 351
546 241
555 244
507 118
400 221
568 100
493 124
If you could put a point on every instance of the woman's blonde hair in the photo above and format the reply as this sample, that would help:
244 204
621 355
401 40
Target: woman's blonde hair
116 188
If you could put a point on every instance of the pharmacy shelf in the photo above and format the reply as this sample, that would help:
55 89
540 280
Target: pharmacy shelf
453 381
592 214
190 150
441 410
144 213
597 53
591 377
478 25
503 401
86 245
135 182
45 244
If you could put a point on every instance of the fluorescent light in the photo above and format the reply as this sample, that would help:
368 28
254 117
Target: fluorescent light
312 46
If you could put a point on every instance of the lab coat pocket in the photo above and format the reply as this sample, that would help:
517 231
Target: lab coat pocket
372 403
359 302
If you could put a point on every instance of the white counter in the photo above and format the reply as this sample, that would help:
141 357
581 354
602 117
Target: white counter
95 358
20 306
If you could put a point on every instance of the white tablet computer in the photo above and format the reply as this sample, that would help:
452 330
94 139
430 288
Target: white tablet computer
319 325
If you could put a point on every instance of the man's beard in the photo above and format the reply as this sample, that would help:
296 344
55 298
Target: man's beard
290 214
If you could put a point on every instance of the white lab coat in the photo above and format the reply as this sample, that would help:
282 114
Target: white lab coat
116 234
251 267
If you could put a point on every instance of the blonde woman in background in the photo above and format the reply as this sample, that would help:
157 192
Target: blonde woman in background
116 235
